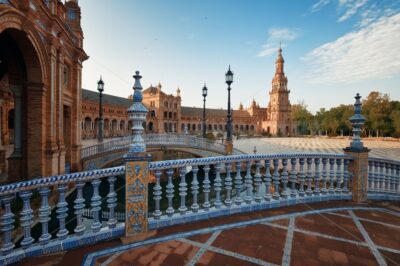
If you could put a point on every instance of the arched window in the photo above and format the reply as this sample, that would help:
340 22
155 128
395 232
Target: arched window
165 114
170 115
152 113
194 127
150 126
247 127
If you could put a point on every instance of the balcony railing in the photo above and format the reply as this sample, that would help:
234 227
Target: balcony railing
204 187
383 175
157 140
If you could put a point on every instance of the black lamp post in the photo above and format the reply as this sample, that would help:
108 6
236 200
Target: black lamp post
229 80
100 88
204 110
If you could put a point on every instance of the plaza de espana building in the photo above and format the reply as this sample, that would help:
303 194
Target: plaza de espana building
45 114
167 115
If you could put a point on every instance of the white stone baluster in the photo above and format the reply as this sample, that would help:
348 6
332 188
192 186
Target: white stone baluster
7 225
26 218
370 175
268 180
275 177
257 182
170 193
218 186
387 176
96 206
228 184
195 189
346 175
338 176
309 191
382 176
392 176
44 215
376 175
317 176
182 191
79 205
62 208
206 188
331 176
324 190
248 184
238 184
293 178
157 196
111 202
285 192
302 177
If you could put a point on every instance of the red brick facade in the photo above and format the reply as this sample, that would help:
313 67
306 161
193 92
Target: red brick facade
41 59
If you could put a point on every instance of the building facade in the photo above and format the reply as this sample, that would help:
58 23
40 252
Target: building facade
41 59
167 115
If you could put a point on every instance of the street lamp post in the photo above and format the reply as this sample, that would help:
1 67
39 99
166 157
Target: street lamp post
229 144
204 110
100 88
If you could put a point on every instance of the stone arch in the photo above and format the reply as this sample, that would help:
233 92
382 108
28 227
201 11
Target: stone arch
26 63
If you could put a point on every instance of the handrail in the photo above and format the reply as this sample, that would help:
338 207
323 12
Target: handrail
156 140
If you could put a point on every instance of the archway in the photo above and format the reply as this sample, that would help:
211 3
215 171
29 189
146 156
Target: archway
23 76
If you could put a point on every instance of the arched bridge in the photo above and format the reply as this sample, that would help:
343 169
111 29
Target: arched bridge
101 155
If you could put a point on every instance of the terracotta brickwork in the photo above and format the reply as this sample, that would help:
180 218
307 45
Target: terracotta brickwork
41 59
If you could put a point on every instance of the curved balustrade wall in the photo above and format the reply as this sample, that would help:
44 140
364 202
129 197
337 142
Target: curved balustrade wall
250 182
157 140
383 178
183 191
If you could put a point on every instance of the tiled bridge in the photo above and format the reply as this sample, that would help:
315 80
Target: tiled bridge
168 194
100 155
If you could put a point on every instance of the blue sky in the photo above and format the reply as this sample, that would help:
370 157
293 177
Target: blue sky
332 48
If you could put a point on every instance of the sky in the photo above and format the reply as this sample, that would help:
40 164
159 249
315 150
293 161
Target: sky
333 49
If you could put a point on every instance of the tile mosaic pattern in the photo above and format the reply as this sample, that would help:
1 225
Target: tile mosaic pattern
320 248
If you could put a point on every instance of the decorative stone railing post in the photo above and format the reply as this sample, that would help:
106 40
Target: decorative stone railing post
136 165
358 167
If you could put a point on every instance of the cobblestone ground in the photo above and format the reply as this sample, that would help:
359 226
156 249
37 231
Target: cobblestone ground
379 148
333 233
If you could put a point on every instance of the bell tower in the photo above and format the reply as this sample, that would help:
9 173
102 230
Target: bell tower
279 111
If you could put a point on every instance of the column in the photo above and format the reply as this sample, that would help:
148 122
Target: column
17 90
136 165
359 165
2 151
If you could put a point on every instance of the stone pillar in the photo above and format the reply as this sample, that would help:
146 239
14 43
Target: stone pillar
137 175
15 160
17 121
358 167
2 150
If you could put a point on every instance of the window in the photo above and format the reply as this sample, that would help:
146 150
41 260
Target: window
66 75
152 113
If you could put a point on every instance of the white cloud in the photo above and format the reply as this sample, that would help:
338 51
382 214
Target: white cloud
370 52
350 8
320 4
276 35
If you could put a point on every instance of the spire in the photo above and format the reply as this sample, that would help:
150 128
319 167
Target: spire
279 61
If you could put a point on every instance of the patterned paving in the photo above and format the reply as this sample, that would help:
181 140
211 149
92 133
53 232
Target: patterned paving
382 149
330 236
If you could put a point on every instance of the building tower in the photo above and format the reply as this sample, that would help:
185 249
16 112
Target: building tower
279 111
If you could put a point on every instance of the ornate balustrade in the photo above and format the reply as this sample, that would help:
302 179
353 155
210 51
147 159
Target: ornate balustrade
157 140
383 176
55 187
249 182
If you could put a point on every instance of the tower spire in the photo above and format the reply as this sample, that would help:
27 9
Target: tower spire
279 61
